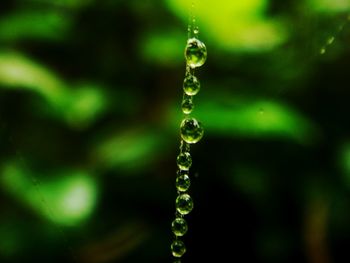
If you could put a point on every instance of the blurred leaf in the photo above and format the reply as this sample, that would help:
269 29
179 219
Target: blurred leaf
67 200
344 159
244 117
34 25
79 107
234 25
164 49
64 3
18 71
256 119
329 5
87 103
130 150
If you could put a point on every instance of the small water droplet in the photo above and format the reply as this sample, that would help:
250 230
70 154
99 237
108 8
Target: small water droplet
183 181
196 31
195 53
184 161
179 227
178 248
187 105
191 130
184 204
191 85
323 51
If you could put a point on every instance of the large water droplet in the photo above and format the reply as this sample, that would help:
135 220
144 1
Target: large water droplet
195 53
179 227
183 181
191 130
184 161
178 248
191 85
184 204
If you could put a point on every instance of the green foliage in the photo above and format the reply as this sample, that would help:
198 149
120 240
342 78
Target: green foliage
78 107
29 25
235 25
133 149
255 118
329 5
68 198
90 95
163 48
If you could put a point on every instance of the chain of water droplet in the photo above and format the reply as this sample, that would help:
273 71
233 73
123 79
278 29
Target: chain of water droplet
191 132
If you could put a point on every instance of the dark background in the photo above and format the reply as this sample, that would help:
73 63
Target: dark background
90 95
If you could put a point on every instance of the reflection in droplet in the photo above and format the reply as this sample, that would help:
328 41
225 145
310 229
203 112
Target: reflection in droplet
183 181
184 204
195 53
184 161
191 130
178 248
191 85
179 226
187 104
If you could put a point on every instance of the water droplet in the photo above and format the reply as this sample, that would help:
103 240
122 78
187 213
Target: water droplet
183 181
179 227
196 31
191 130
195 53
184 204
191 85
323 51
187 104
184 161
178 248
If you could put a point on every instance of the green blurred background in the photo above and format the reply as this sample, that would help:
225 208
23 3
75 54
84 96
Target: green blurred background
90 94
